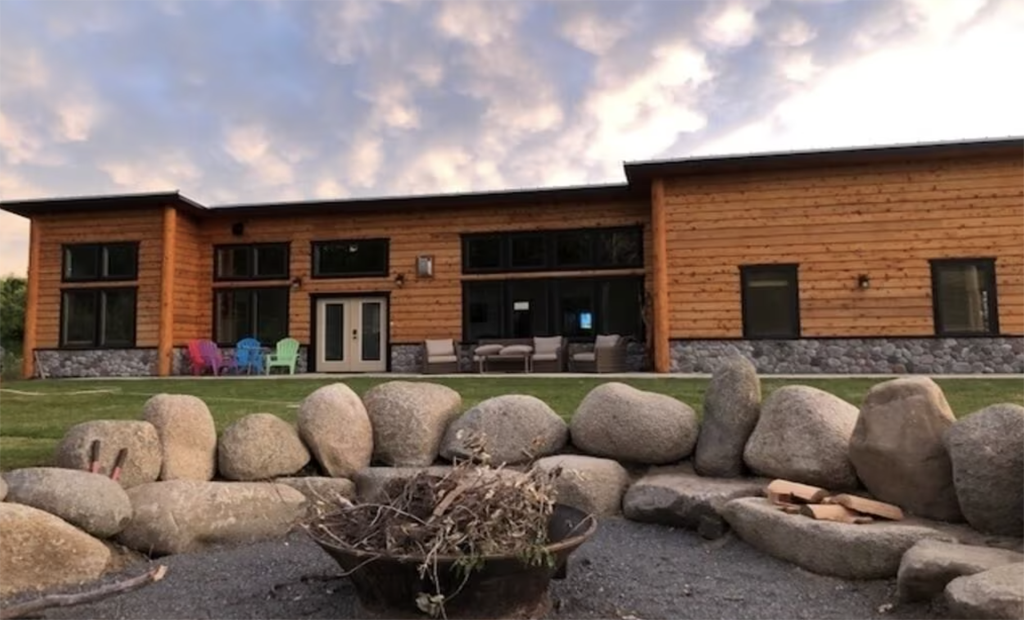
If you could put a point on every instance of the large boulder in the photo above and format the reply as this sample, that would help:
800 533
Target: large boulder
513 428
3 489
185 516
260 446
928 566
409 420
993 594
988 468
144 453
593 485
39 550
324 494
92 502
187 434
896 447
803 435
334 424
732 404
621 422
866 551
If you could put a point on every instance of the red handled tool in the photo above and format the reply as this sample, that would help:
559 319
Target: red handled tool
122 456
94 456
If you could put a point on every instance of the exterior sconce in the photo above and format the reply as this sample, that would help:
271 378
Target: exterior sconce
863 281
400 280
296 283
425 266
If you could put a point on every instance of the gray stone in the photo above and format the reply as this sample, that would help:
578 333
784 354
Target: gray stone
621 422
803 435
334 424
593 485
3 489
929 565
996 593
897 449
732 404
259 446
59 364
865 551
186 516
988 468
39 550
143 459
409 420
92 502
678 497
515 429
187 433
321 492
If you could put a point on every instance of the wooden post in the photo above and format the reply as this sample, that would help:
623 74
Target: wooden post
28 365
662 360
165 348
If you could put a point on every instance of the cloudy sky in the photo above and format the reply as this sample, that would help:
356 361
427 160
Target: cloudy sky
266 100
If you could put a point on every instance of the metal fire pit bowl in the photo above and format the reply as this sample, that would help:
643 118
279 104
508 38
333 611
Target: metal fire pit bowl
505 587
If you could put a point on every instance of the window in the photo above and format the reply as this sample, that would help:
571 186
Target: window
553 250
771 301
260 313
90 262
964 297
262 261
577 308
97 317
340 259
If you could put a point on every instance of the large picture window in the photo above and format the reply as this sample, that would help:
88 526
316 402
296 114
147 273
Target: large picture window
771 301
578 308
92 262
350 258
260 313
964 297
553 250
98 318
258 261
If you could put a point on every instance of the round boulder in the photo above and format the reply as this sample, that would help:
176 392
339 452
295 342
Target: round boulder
988 468
621 422
334 424
896 447
90 501
732 404
187 434
802 435
588 483
260 446
409 420
3 489
140 439
515 428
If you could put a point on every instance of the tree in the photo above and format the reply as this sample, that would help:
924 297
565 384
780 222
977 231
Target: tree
12 312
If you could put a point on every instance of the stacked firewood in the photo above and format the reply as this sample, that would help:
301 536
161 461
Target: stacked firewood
819 503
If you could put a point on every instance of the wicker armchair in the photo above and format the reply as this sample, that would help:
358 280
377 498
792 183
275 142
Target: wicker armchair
440 356
548 354
609 355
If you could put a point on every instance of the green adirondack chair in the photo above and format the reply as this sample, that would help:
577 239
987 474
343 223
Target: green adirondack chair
286 355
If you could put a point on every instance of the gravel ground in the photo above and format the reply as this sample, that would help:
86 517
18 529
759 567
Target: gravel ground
626 570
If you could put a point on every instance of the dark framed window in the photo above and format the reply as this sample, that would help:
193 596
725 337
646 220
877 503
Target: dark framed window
770 297
260 313
553 250
93 262
350 258
97 318
254 261
964 297
577 308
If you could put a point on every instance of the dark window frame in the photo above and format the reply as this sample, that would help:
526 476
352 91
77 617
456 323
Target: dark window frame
98 292
746 271
252 248
314 247
989 263
252 290
101 247
550 241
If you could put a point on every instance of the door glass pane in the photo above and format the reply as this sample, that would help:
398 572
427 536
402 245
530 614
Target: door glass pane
528 308
371 331
118 319
334 332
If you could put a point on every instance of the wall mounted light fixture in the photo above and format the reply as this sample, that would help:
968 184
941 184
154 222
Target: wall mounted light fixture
296 282
863 281
400 280
424 266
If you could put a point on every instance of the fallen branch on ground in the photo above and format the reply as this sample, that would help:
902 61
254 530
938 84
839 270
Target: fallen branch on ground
66 600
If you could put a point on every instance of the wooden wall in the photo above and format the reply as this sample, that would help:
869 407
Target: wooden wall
192 293
885 221
144 226
422 308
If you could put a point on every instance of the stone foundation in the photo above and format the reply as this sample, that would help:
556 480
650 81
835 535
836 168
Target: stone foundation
857 355
59 364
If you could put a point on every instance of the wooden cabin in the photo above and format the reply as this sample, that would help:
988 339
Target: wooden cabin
894 259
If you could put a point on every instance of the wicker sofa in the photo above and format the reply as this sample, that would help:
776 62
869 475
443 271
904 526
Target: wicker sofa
538 354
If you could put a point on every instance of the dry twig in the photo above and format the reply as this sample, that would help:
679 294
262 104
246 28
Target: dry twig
22 610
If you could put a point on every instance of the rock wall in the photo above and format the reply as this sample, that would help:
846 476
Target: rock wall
98 362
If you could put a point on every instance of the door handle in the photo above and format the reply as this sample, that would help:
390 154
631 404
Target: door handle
355 335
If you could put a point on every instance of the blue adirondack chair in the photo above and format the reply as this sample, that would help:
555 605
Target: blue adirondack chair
249 355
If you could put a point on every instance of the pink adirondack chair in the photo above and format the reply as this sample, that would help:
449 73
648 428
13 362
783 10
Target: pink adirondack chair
214 358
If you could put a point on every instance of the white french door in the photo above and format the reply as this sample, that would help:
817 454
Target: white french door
351 334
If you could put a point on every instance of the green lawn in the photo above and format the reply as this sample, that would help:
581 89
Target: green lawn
32 424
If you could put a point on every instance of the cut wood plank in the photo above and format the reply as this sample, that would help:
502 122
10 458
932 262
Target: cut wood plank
866 506
832 512
796 491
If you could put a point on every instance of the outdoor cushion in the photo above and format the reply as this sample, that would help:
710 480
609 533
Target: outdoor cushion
545 357
442 358
487 349
547 345
583 357
440 347
517 349
606 341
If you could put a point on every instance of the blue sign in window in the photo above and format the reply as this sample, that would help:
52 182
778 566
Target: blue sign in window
586 320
